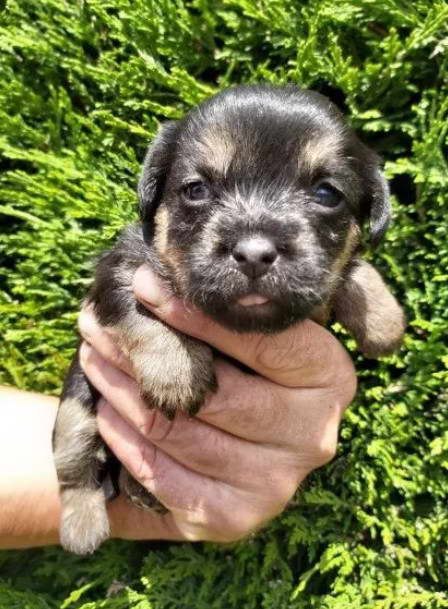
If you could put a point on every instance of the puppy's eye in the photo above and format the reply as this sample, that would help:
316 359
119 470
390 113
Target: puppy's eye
196 191
327 195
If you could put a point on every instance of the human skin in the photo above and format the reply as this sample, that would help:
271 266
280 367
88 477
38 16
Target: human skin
29 501
222 474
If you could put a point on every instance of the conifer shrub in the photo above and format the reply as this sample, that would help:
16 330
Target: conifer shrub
83 87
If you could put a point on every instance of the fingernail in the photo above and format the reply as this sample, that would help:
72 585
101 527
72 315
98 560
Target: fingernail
147 288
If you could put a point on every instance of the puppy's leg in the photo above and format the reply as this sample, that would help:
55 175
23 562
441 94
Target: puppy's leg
365 307
174 372
80 458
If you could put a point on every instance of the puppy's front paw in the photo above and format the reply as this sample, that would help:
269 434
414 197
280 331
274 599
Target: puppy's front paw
386 335
364 305
84 521
179 380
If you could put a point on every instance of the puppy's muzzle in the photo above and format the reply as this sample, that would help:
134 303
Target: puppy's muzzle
255 255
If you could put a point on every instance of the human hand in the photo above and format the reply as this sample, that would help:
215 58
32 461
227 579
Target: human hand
235 466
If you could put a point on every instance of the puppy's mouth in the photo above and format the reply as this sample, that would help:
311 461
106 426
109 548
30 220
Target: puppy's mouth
252 300
268 304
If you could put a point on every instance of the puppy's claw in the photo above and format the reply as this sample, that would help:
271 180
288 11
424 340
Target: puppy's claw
169 411
193 409
212 386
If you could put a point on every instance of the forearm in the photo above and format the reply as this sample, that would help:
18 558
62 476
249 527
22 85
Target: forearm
29 500
29 495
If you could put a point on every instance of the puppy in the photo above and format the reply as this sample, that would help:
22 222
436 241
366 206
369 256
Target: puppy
251 210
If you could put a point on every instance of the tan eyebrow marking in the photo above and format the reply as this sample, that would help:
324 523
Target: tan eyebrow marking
319 151
217 148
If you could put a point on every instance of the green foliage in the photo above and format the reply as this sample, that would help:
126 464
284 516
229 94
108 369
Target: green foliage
83 86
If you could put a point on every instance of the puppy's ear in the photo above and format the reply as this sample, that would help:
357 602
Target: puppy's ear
380 207
155 169
376 202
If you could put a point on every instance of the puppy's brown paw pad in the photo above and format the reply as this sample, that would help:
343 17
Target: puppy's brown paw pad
84 521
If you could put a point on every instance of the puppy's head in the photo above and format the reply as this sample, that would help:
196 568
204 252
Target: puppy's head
254 202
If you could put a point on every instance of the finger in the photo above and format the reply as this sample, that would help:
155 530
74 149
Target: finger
102 339
305 421
305 355
282 429
202 508
196 444
174 485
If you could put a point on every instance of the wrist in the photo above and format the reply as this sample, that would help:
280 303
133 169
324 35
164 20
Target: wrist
29 496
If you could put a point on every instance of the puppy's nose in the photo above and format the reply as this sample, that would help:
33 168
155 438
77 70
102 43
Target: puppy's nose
255 255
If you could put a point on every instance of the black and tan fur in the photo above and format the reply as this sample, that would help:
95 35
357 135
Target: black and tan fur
259 190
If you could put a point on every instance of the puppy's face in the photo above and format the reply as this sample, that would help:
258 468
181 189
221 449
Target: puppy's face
255 200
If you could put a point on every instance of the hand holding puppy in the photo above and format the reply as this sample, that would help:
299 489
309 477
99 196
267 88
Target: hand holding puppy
214 472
